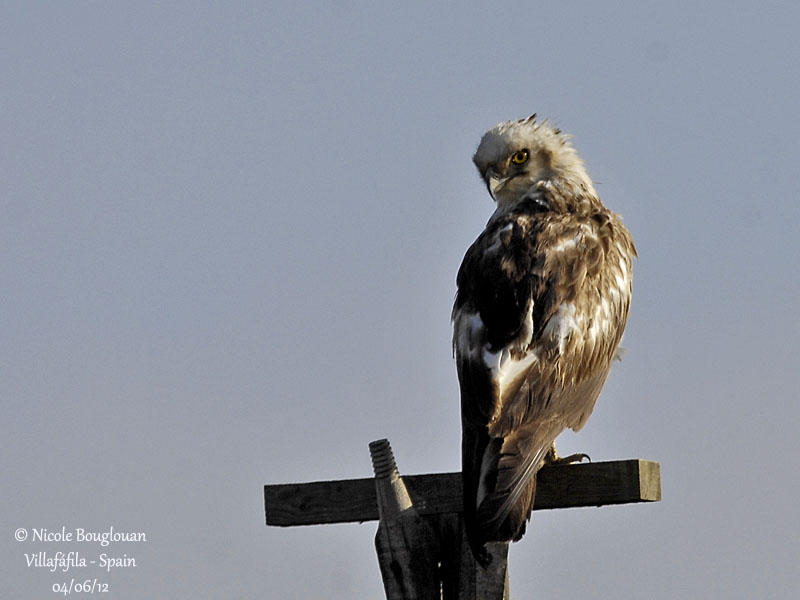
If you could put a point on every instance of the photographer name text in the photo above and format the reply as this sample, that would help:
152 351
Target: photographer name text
104 538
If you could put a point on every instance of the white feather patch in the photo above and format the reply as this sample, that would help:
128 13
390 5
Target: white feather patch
504 368
568 243
563 324
468 334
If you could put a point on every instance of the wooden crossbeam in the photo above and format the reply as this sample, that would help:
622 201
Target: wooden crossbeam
561 486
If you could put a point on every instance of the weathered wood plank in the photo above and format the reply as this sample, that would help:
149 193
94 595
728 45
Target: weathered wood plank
406 544
598 484
563 486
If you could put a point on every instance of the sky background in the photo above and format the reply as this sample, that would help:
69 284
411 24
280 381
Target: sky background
229 235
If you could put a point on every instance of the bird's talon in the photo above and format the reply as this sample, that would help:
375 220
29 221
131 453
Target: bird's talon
572 458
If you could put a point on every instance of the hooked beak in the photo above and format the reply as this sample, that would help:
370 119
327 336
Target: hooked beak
495 183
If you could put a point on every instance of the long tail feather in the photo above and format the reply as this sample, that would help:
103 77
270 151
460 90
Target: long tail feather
500 495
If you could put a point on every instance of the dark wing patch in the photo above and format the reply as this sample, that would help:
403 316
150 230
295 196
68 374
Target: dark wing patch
496 280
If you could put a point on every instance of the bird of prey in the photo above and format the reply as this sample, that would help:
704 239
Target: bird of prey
543 297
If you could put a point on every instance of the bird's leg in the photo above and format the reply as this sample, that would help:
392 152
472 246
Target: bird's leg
552 457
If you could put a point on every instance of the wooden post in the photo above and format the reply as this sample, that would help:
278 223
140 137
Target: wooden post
420 541
461 576
427 558
406 544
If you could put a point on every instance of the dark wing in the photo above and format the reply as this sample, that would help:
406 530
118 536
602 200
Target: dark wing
496 285
503 299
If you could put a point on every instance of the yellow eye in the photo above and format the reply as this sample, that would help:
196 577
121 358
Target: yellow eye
519 158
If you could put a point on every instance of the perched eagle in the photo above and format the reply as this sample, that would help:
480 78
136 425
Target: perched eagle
543 296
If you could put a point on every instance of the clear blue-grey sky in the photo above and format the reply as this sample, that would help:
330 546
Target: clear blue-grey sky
228 241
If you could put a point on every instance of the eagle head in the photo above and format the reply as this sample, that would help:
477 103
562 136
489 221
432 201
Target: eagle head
514 156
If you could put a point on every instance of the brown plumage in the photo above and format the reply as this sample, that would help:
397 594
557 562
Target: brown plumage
542 301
